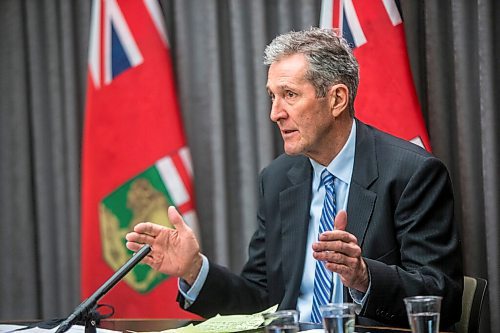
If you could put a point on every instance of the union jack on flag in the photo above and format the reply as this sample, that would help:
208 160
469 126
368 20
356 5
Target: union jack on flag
112 47
342 15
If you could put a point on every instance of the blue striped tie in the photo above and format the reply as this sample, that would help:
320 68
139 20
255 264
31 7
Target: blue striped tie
322 276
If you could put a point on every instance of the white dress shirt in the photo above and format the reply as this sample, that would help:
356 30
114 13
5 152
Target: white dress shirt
341 168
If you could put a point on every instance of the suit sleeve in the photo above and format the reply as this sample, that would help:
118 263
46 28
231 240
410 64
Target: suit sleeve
225 292
430 257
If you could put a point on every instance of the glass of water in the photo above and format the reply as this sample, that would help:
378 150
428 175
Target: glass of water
338 317
283 321
423 313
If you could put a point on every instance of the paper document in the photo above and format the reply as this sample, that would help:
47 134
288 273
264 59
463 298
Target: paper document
9 328
226 324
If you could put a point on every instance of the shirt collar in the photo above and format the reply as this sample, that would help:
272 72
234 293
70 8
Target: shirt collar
341 166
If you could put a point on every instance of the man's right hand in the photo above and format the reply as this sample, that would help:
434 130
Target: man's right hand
174 252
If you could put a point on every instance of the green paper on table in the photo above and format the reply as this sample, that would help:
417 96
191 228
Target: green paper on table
226 324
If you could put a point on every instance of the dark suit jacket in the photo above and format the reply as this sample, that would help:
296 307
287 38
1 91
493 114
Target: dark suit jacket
400 208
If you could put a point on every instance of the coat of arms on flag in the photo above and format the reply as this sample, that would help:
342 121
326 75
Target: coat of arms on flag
145 197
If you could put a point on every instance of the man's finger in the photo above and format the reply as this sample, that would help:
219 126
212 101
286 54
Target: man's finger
341 220
140 238
133 246
148 228
349 247
337 235
176 219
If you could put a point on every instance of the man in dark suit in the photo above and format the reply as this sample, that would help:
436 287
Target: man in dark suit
392 205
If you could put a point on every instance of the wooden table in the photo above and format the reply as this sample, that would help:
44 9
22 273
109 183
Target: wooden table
148 325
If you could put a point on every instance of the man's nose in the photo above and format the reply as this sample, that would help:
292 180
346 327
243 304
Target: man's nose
277 110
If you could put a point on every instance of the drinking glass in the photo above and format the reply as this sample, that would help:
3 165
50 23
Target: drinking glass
283 321
338 317
423 313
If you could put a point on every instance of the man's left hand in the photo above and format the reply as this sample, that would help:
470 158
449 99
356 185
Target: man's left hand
341 253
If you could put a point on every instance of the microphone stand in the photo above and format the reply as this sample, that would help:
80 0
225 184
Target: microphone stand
83 311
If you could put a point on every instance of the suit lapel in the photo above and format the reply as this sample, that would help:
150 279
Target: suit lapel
294 208
362 200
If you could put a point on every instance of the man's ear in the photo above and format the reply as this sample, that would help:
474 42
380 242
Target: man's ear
339 98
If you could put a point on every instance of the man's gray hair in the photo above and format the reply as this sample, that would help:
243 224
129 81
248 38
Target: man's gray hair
330 59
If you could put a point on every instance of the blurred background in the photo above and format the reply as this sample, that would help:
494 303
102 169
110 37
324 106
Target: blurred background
216 48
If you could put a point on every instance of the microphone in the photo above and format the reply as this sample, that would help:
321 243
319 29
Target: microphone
82 310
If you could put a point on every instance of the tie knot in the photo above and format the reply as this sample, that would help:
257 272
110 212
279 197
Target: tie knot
326 178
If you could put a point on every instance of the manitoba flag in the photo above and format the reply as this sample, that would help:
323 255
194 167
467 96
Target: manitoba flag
386 95
135 159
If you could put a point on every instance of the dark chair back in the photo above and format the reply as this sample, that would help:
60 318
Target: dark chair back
472 303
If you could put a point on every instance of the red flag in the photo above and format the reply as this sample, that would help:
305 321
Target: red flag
135 159
386 95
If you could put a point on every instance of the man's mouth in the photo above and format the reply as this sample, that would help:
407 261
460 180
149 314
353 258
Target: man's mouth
287 132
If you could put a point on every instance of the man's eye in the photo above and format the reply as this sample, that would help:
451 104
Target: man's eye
290 94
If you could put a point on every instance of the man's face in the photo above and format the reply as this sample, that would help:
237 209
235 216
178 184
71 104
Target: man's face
305 121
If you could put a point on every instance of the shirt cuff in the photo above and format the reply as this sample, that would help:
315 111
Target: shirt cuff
360 297
190 293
